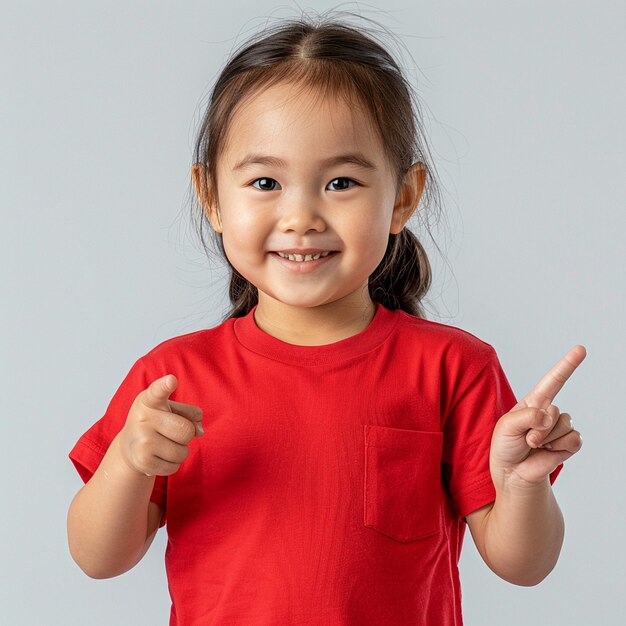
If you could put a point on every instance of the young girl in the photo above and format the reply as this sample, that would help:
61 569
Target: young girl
318 454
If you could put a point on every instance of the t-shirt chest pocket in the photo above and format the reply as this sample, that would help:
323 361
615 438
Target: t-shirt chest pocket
402 482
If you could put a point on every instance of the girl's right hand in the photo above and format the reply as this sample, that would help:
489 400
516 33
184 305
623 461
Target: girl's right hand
154 439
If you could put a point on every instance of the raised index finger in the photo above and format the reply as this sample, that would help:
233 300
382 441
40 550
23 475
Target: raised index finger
544 392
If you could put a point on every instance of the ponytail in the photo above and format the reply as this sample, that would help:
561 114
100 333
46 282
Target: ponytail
404 275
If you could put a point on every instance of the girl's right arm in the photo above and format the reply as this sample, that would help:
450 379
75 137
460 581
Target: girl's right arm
111 521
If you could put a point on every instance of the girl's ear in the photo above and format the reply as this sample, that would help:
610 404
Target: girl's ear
408 197
205 195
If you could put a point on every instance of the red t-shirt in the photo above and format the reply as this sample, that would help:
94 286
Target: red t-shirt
331 482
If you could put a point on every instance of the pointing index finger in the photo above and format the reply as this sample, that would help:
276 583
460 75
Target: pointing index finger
545 391
159 390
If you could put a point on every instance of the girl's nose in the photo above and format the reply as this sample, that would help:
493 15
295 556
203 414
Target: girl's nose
301 219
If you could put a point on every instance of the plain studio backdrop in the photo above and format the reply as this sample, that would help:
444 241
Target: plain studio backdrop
100 101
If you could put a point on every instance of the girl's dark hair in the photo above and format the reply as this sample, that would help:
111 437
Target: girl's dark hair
338 60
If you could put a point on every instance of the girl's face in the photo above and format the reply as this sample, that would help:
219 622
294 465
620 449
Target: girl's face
279 190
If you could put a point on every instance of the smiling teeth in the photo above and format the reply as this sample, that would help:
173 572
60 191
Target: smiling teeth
306 257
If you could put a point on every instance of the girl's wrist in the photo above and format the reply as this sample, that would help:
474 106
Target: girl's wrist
123 464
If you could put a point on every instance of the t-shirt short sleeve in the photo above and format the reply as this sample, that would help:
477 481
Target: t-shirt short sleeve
482 396
92 445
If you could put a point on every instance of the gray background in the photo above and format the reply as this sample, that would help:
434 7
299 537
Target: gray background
100 100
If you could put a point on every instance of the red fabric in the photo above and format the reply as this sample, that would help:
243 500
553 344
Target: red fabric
331 482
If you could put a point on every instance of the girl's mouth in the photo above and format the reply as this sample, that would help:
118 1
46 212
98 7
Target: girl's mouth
304 267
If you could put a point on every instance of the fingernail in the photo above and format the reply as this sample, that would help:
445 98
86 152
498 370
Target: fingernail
200 429
547 420
547 445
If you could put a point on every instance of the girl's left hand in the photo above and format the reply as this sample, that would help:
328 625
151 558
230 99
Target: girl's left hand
524 451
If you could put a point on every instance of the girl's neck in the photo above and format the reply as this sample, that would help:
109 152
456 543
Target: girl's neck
314 326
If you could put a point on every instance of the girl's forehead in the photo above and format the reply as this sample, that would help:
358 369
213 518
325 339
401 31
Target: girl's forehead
299 102
283 115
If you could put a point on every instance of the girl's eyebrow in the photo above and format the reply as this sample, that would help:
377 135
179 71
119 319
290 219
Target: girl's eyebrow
355 158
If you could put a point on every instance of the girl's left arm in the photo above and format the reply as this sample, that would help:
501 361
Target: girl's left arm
519 536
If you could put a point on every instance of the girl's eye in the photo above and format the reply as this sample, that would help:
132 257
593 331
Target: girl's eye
269 181
265 181
342 186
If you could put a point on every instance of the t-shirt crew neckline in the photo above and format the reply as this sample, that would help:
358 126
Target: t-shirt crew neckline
257 340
